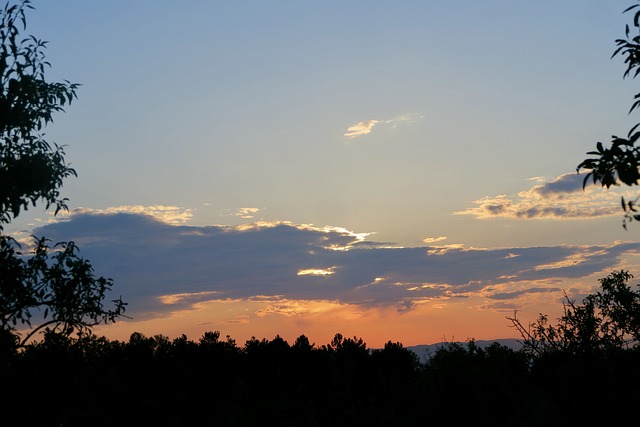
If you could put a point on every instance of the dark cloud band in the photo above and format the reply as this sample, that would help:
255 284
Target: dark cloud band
160 268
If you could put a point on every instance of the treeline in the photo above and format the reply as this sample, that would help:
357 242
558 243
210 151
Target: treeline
157 381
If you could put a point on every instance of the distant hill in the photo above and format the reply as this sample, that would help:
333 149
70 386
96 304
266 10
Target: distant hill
424 351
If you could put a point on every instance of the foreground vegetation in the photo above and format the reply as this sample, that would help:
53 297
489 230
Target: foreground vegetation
92 381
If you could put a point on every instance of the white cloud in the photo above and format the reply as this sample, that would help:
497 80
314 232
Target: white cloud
404 119
247 213
561 198
361 128
317 271
365 127
430 240
244 213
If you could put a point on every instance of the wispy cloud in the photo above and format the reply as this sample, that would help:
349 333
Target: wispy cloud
161 268
245 213
431 240
365 127
317 271
361 128
403 119
515 294
189 296
561 198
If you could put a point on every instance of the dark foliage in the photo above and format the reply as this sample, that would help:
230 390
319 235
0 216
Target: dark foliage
31 169
606 321
90 380
594 347
619 163
59 285
52 285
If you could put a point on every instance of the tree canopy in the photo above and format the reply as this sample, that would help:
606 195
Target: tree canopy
52 284
605 321
620 163
31 169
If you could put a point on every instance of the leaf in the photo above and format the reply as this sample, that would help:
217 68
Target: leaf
617 51
635 127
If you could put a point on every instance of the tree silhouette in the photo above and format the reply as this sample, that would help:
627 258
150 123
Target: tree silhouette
160 381
620 162
485 382
606 321
32 169
53 282
593 349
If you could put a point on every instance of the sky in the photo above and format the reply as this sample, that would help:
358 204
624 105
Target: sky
400 171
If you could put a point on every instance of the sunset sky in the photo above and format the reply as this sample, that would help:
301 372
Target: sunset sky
395 170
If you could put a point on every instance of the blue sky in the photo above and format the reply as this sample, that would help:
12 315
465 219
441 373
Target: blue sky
432 142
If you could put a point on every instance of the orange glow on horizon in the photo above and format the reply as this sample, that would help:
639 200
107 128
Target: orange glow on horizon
426 323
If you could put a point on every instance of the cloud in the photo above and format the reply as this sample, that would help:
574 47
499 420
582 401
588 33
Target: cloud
284 307
247 213
244 213
317 271
561 198
160 268
433 239
403 119
566 183
361 128
366 127
173 215
192 297
516 294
